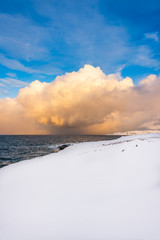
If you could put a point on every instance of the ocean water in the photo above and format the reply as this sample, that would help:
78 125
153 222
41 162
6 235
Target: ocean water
15 148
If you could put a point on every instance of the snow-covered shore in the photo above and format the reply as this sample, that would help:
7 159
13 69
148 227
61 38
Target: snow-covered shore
107 190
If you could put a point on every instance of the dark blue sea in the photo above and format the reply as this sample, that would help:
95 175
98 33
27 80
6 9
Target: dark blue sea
15 148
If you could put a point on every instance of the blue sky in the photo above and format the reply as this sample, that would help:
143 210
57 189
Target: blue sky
43 39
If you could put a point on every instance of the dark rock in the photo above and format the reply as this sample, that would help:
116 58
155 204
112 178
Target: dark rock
62 146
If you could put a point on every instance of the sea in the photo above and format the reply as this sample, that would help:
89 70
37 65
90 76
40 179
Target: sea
15 148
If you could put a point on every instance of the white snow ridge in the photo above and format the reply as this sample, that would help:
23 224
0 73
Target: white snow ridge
107 190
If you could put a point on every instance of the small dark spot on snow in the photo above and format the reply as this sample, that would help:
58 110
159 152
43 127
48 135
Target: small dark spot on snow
104 145
136 145
123 150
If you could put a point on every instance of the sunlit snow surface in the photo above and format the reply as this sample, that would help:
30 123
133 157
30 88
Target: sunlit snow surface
107 190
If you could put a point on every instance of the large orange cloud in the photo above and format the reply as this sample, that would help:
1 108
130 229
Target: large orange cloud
86 102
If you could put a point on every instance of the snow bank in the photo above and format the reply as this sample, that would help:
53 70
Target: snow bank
106 190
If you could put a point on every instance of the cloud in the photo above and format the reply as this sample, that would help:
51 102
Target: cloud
81 34
14 121
11 82
21 38
144 57
86 102
12 75
152 36
2 85
14 64
46 69
69 34
85 33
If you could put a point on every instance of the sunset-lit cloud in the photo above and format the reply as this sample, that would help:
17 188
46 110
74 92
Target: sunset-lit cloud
83 102
14 121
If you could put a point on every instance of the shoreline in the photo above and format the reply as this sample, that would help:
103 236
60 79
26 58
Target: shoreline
30 147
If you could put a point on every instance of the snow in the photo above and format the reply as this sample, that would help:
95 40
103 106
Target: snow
108 190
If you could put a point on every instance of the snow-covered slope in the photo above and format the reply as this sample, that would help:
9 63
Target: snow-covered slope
90 191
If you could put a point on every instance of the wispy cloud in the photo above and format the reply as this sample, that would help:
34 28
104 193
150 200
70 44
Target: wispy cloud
9 85
90 37
22 39
14 64
11 82
83 35
47 69
12 75
144 57
2 84
154 36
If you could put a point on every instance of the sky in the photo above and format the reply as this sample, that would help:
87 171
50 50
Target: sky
45 43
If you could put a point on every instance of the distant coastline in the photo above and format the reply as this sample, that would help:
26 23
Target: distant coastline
136 132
